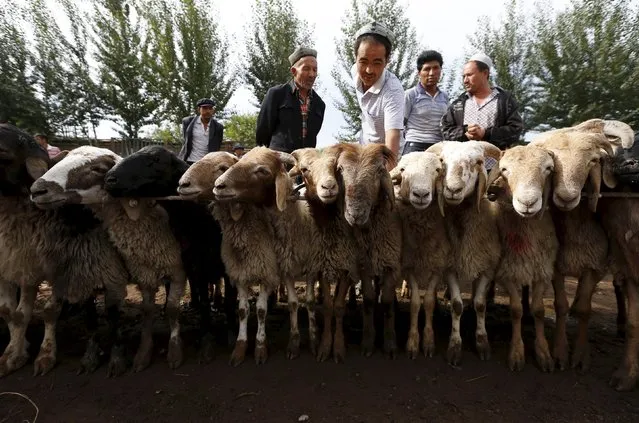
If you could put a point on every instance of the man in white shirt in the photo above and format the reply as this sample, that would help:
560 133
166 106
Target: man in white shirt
202 133
380 94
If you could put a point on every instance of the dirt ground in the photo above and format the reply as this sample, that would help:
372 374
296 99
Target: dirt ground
372 389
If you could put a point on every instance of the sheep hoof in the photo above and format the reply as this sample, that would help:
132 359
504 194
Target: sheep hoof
261 353
293 348
143 357
581 358
428 345
239 353
339 350
517 357
544 359
454 353
175 355
483 347
368 343
560 353
324 350
91 359
313 345
207 349
390 349
43 364
11 362
117 362
412 346
624 379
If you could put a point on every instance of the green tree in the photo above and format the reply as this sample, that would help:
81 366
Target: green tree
587 63
241 128
275 32
405 50
123 77
18 102
509 45
187 56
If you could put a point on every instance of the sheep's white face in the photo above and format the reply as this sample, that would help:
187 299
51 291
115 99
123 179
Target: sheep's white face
526 170
318 170
462 163
78 178
417 174
199 180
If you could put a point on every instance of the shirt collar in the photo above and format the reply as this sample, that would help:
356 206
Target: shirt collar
422 90
295 88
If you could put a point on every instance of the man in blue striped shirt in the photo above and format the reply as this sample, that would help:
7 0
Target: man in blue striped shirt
425 104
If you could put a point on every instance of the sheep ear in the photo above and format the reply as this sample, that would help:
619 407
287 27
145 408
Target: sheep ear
237 211
495 173
439 186
36 167
595 187
482 185
608 175
132 207
396 175
282 189
389 190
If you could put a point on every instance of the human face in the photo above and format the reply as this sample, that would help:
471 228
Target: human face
42 141
371 61
206 112
430 73
474 79
305 72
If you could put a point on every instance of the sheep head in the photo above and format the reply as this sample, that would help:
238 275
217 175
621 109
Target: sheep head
198 181
76 179
579 157
318 171
464 170
525 174
419 176
361 170
152 171
626 165
259 177
22 160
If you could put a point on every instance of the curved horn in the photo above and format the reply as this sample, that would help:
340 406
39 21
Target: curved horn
490 150
590 125
617 131
286 158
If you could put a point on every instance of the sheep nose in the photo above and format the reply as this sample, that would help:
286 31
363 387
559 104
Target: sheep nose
630 162
110 179
39 192
530 202
185 184
454 190
421 193
221 185
329 185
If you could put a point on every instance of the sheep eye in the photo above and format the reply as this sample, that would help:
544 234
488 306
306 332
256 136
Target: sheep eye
438 170
402 169
503 170
304 170
262 171
340 168
549 169
97 169
224 168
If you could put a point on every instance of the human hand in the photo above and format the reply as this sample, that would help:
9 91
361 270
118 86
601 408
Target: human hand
475 132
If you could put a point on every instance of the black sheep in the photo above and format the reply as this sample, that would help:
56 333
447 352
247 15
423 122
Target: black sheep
154 172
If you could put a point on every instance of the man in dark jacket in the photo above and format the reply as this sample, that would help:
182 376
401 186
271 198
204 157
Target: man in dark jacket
202 134
292 114
482 112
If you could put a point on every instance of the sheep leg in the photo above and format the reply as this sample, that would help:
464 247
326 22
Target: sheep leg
117 361
389 283
261 352
230 302
454 352
310 309
15 354
239 351
583 306
621 307
560 348
430 299
412 344
90 361
368 308
542 351
625 378
145 350
207 340
516 356
293 348
175 354
48 349
339 345
327 334
479 303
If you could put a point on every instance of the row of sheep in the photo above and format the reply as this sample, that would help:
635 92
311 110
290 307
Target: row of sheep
427 221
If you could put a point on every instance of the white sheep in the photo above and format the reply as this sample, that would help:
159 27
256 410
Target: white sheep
426 248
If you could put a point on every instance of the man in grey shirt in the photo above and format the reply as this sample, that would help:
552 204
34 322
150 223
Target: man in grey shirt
425 104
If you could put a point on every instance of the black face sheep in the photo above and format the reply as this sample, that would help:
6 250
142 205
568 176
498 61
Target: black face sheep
155 171
139 229
67 247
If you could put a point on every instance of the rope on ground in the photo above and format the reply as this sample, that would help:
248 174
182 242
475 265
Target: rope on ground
28 399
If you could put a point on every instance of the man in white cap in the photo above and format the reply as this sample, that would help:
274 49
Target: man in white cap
292 113
483 112
380 93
